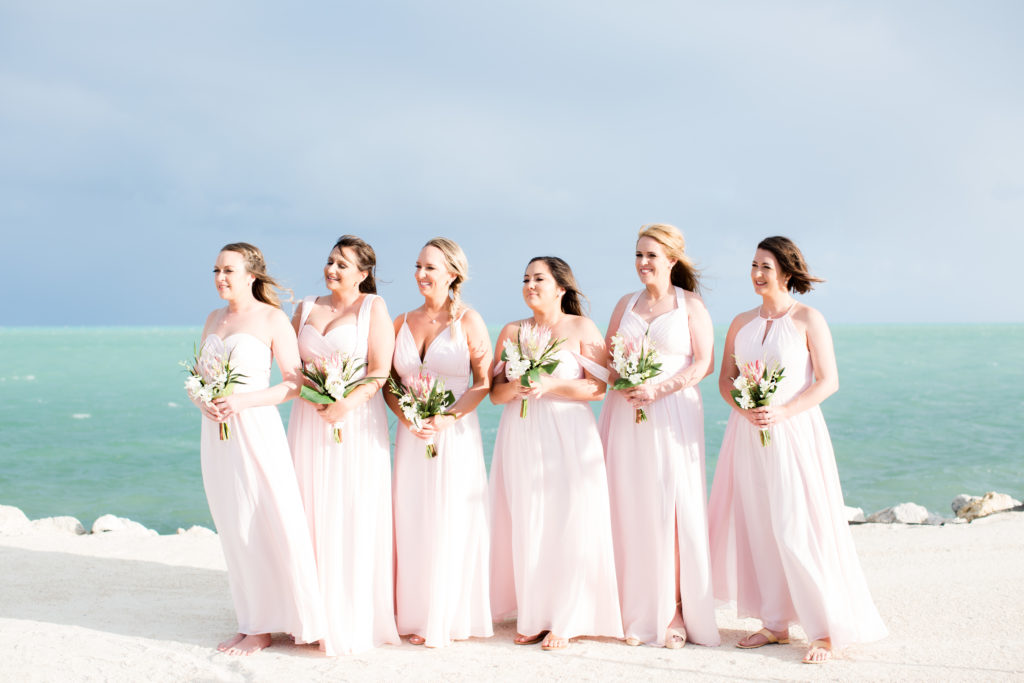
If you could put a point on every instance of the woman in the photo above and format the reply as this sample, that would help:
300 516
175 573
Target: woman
248 477
551 542
441 532
780 543
346 486
656 468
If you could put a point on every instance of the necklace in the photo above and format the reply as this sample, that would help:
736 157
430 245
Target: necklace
771 316
651 303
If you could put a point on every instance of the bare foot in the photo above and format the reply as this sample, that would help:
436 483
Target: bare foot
416 640
230 642
675 638
553 642
764 637
250 644
819 652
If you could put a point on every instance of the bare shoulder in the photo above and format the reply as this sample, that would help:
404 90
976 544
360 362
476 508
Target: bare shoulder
693 302
808 317
742 319
378 305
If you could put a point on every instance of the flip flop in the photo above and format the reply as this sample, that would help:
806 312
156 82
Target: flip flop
676 638
416 640
769 637
547 647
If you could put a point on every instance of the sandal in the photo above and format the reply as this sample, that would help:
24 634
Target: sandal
633 641
417 640
675 638
529 640
824 645
553 642
769 639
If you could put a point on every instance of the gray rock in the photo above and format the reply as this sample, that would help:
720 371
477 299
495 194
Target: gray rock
988 504
110 523
13 521
58 525
935 519
855 515
904 513
196 531
960 501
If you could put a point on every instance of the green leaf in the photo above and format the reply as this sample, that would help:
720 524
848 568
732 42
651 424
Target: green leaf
352 385
622 383
314 396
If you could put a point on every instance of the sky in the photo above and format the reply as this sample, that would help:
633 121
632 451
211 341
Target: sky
885 138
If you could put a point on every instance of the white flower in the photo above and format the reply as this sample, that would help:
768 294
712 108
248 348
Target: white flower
765 386
636 378
514 369
335 387
739 383
193 385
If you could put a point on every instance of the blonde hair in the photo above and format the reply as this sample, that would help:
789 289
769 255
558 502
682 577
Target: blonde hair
455 261
684 272
264 287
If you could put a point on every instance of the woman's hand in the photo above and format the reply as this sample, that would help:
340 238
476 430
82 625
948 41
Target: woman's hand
536 390
641 396
766 416
209 411
433 426
332 413
230 405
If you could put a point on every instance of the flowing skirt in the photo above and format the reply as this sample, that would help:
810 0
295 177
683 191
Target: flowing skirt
346 489
657 485
551 544
255 504
780 544
442 536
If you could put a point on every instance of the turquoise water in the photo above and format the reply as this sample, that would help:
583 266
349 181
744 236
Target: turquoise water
95 420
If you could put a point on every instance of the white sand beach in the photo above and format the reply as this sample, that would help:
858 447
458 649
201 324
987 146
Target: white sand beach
119 607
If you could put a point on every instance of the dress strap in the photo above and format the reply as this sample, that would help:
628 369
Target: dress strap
592 367
307 308
363 319
632 302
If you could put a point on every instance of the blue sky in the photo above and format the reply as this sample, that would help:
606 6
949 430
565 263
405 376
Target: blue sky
137 138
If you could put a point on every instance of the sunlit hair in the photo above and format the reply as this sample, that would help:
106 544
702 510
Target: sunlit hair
684 273
264 287
572 301
791 263
366 259
455 261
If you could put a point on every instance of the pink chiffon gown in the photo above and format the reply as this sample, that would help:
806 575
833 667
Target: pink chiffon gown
551 541
441 532
658 498
255 504
346 489
780 544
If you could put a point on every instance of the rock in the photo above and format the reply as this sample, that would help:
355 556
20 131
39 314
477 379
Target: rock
935 519
960 501
13 521
904 513
855 515
58 525
108 523
988 504
196 531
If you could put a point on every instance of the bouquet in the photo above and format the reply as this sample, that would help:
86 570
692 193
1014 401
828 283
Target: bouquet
532 353
210 376
755 386
635 359
422 397
331 377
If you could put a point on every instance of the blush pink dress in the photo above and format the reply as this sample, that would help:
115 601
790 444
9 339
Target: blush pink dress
346 489
442 539
551 541
255 504
657 484
780 544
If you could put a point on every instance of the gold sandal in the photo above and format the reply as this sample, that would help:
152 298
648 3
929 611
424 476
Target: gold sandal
769 637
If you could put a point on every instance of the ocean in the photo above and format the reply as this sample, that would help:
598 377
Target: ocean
96 421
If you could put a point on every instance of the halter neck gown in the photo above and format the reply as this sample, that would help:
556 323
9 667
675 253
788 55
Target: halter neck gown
551 540
658 497
442 539
780 544
346 489
255 504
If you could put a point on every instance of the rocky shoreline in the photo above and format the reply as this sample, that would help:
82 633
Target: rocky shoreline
965 507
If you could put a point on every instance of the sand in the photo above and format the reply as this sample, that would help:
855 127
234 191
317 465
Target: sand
118 607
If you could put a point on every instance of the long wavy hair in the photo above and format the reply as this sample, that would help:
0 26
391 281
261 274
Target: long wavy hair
573 300
264 287
791 263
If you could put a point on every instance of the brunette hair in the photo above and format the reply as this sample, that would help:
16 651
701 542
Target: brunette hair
455 260
572 301
264 287
366 259
684 273
791 263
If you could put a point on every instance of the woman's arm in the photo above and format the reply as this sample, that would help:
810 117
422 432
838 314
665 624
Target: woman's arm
588 388
502 391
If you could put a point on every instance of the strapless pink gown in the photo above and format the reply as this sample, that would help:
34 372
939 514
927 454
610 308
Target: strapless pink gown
346 489
441 533
255 504
551 540
657 485
780 544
